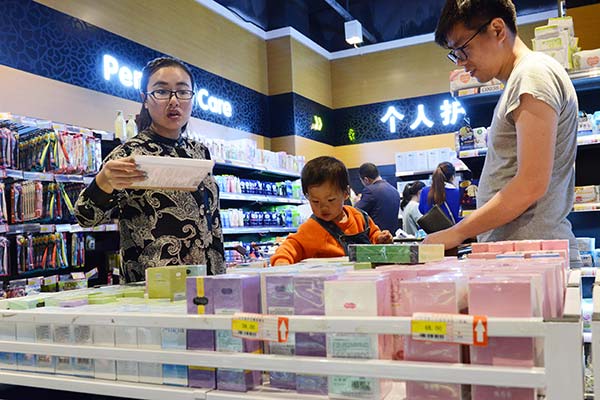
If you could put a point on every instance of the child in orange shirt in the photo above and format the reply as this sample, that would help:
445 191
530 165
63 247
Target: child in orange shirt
333 226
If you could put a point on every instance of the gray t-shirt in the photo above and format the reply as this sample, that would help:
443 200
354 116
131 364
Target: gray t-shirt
410 216
546 80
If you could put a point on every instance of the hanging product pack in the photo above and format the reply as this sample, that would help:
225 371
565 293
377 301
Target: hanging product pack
436 219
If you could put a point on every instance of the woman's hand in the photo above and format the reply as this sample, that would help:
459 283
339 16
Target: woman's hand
119 174
385 237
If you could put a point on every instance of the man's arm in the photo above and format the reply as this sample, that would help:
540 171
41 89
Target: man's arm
366 200
536 123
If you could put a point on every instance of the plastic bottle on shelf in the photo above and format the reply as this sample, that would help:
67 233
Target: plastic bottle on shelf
120 128
131 127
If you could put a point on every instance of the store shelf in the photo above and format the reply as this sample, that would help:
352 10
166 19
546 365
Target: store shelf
253 230
17 229
586 207
260 168
398 392
472 153
259 198
101 387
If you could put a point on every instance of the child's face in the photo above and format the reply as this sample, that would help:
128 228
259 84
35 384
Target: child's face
327 201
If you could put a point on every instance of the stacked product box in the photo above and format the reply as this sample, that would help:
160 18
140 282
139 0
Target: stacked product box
200 300
358 295
442 293
233 294
309 300
278 294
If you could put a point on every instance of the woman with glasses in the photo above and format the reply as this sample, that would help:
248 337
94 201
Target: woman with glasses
158 227
526 188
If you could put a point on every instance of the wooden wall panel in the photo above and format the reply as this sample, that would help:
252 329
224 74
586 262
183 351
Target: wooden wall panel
85 107
279 62
587 25
311 74
383 153
181 28
406 72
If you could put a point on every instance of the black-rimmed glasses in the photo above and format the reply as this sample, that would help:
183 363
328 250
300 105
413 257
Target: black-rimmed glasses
166 94
458 54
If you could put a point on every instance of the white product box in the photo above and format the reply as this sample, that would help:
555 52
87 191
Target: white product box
126 336
401 162
104 336
433 159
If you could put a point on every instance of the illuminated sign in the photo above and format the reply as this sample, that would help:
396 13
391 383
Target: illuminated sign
112 70
317 124
126 76
449 114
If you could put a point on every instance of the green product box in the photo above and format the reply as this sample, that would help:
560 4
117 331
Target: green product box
396 253
166 282
195 270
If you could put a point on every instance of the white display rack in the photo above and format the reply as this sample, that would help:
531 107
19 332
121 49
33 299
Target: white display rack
258 229
43 176
18 229
259 198
256 167
561 376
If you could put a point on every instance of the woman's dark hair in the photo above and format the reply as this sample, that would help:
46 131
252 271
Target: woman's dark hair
325 169
144 120
472 14
443 173
410 190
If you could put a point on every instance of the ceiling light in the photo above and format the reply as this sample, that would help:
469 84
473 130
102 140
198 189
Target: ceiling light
353 30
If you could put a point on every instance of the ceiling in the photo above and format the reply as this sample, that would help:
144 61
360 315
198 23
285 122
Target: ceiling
386 20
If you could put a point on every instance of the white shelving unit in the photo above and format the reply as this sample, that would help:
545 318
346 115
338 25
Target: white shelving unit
561 375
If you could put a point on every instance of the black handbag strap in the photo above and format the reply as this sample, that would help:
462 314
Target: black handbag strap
339 234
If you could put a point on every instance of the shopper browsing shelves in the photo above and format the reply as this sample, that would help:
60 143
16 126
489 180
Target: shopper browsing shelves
526 187
410 207
333 226
442 192
379 199
158 227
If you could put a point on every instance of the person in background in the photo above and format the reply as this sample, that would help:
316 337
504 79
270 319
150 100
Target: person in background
333 225
526 188
158 227
379 199
442 192
410 207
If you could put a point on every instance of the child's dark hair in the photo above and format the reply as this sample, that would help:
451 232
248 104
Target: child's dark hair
325 169
443 173
410 190
144 120
472 14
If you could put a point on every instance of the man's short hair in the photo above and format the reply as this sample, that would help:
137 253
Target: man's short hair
368 170
472 14
325 169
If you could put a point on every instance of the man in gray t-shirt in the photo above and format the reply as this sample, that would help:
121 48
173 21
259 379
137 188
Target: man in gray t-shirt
527 184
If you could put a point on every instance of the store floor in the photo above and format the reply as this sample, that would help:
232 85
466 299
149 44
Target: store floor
10 392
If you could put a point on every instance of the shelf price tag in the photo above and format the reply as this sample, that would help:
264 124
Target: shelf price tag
260 327
450 328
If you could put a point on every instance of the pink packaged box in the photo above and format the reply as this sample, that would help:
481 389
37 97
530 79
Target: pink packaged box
528 245
445 293
501 247
503 297
309 300
361 294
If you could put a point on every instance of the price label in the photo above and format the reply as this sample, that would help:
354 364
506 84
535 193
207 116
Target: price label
450 328
260 327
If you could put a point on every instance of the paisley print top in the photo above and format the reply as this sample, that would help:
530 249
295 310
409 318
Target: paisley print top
160 227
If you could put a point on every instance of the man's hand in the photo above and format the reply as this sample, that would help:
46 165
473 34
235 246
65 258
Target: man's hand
385 237
119 174
448 237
